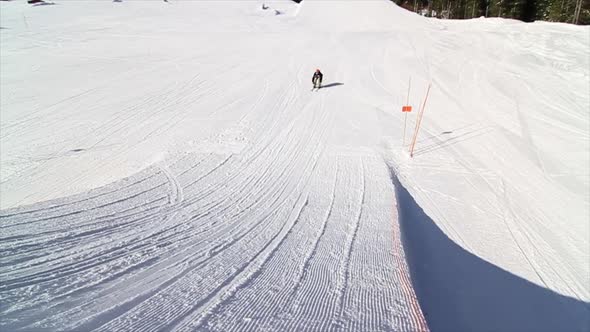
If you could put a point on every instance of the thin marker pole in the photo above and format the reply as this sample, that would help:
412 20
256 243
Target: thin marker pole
409 85
406 116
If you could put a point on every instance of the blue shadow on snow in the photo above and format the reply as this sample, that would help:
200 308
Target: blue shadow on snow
459 291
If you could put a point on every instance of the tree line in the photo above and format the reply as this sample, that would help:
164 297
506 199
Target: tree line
568 11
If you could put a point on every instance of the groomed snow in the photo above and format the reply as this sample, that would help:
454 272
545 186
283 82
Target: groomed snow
165 166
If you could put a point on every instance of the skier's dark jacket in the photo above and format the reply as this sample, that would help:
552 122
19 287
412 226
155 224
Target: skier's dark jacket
317 75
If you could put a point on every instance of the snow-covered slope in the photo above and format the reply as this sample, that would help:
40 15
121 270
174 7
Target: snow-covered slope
165 166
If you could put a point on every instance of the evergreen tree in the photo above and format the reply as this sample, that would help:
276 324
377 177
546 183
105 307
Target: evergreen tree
568 11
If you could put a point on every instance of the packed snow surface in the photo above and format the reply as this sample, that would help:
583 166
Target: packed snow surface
165 166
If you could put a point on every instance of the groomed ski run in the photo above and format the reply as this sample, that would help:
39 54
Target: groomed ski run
165 167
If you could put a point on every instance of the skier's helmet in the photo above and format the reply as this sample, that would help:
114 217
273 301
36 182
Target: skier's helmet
317 70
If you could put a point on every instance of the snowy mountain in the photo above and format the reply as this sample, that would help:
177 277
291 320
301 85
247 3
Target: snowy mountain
165 166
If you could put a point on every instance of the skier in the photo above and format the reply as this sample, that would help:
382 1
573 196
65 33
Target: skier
317 79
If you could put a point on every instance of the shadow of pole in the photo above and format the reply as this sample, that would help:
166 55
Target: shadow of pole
459 291
451 141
